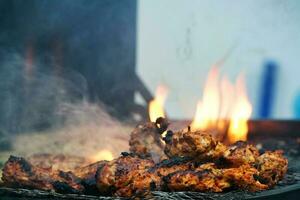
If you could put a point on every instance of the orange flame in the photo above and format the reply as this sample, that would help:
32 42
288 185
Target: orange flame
227 97
207 112
156 106
241 112
103 155
222 100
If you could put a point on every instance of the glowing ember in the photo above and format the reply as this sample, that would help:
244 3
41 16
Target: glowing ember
156 106
103 155
241 112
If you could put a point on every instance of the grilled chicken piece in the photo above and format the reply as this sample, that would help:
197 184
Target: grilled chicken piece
209 178
205 178
202 146
18 172
140 182
168 166
272 167
199 145
248 171
244 177
145 140
136 183
87 176
240 153
123 168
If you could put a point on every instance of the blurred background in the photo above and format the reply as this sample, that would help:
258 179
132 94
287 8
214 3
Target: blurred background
64 61
179 41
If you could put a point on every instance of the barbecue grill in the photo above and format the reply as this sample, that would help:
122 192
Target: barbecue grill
269 134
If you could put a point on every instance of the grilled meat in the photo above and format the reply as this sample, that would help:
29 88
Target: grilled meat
196 162
240 153
204 178
209 178
140 182
89 170
212 179
136 183
130 175
168 166
87 177
184 170
202 146
199 145
146 141
18 172
272 166
244 177
123 168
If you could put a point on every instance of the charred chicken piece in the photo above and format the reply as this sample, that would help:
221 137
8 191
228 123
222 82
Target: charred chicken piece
199 145
168 166
244 177
136 183
146 141
206 178
119 172
240 153
87 177
18 172
272 167
209 178
141 182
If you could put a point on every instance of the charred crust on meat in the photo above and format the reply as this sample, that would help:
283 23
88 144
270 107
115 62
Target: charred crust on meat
24 164
167 163
189 128
65 175
237 145
222 162
260 179
240 144
161 124
124 154
142 156
62 187
166 179
152 186
168 137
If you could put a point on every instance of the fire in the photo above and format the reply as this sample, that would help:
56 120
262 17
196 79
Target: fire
221 101
156 106
103 155
242 110
223 108
207 111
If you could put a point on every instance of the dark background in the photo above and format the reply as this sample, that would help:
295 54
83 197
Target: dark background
66 51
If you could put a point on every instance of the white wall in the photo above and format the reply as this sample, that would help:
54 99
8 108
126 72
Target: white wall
179 40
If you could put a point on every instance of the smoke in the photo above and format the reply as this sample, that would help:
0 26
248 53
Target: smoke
55 112
57 59
95 38
87 130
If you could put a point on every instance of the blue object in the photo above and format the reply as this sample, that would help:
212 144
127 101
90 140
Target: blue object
297 106
268 87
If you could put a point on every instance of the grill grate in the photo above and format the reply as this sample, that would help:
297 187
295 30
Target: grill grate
288 188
